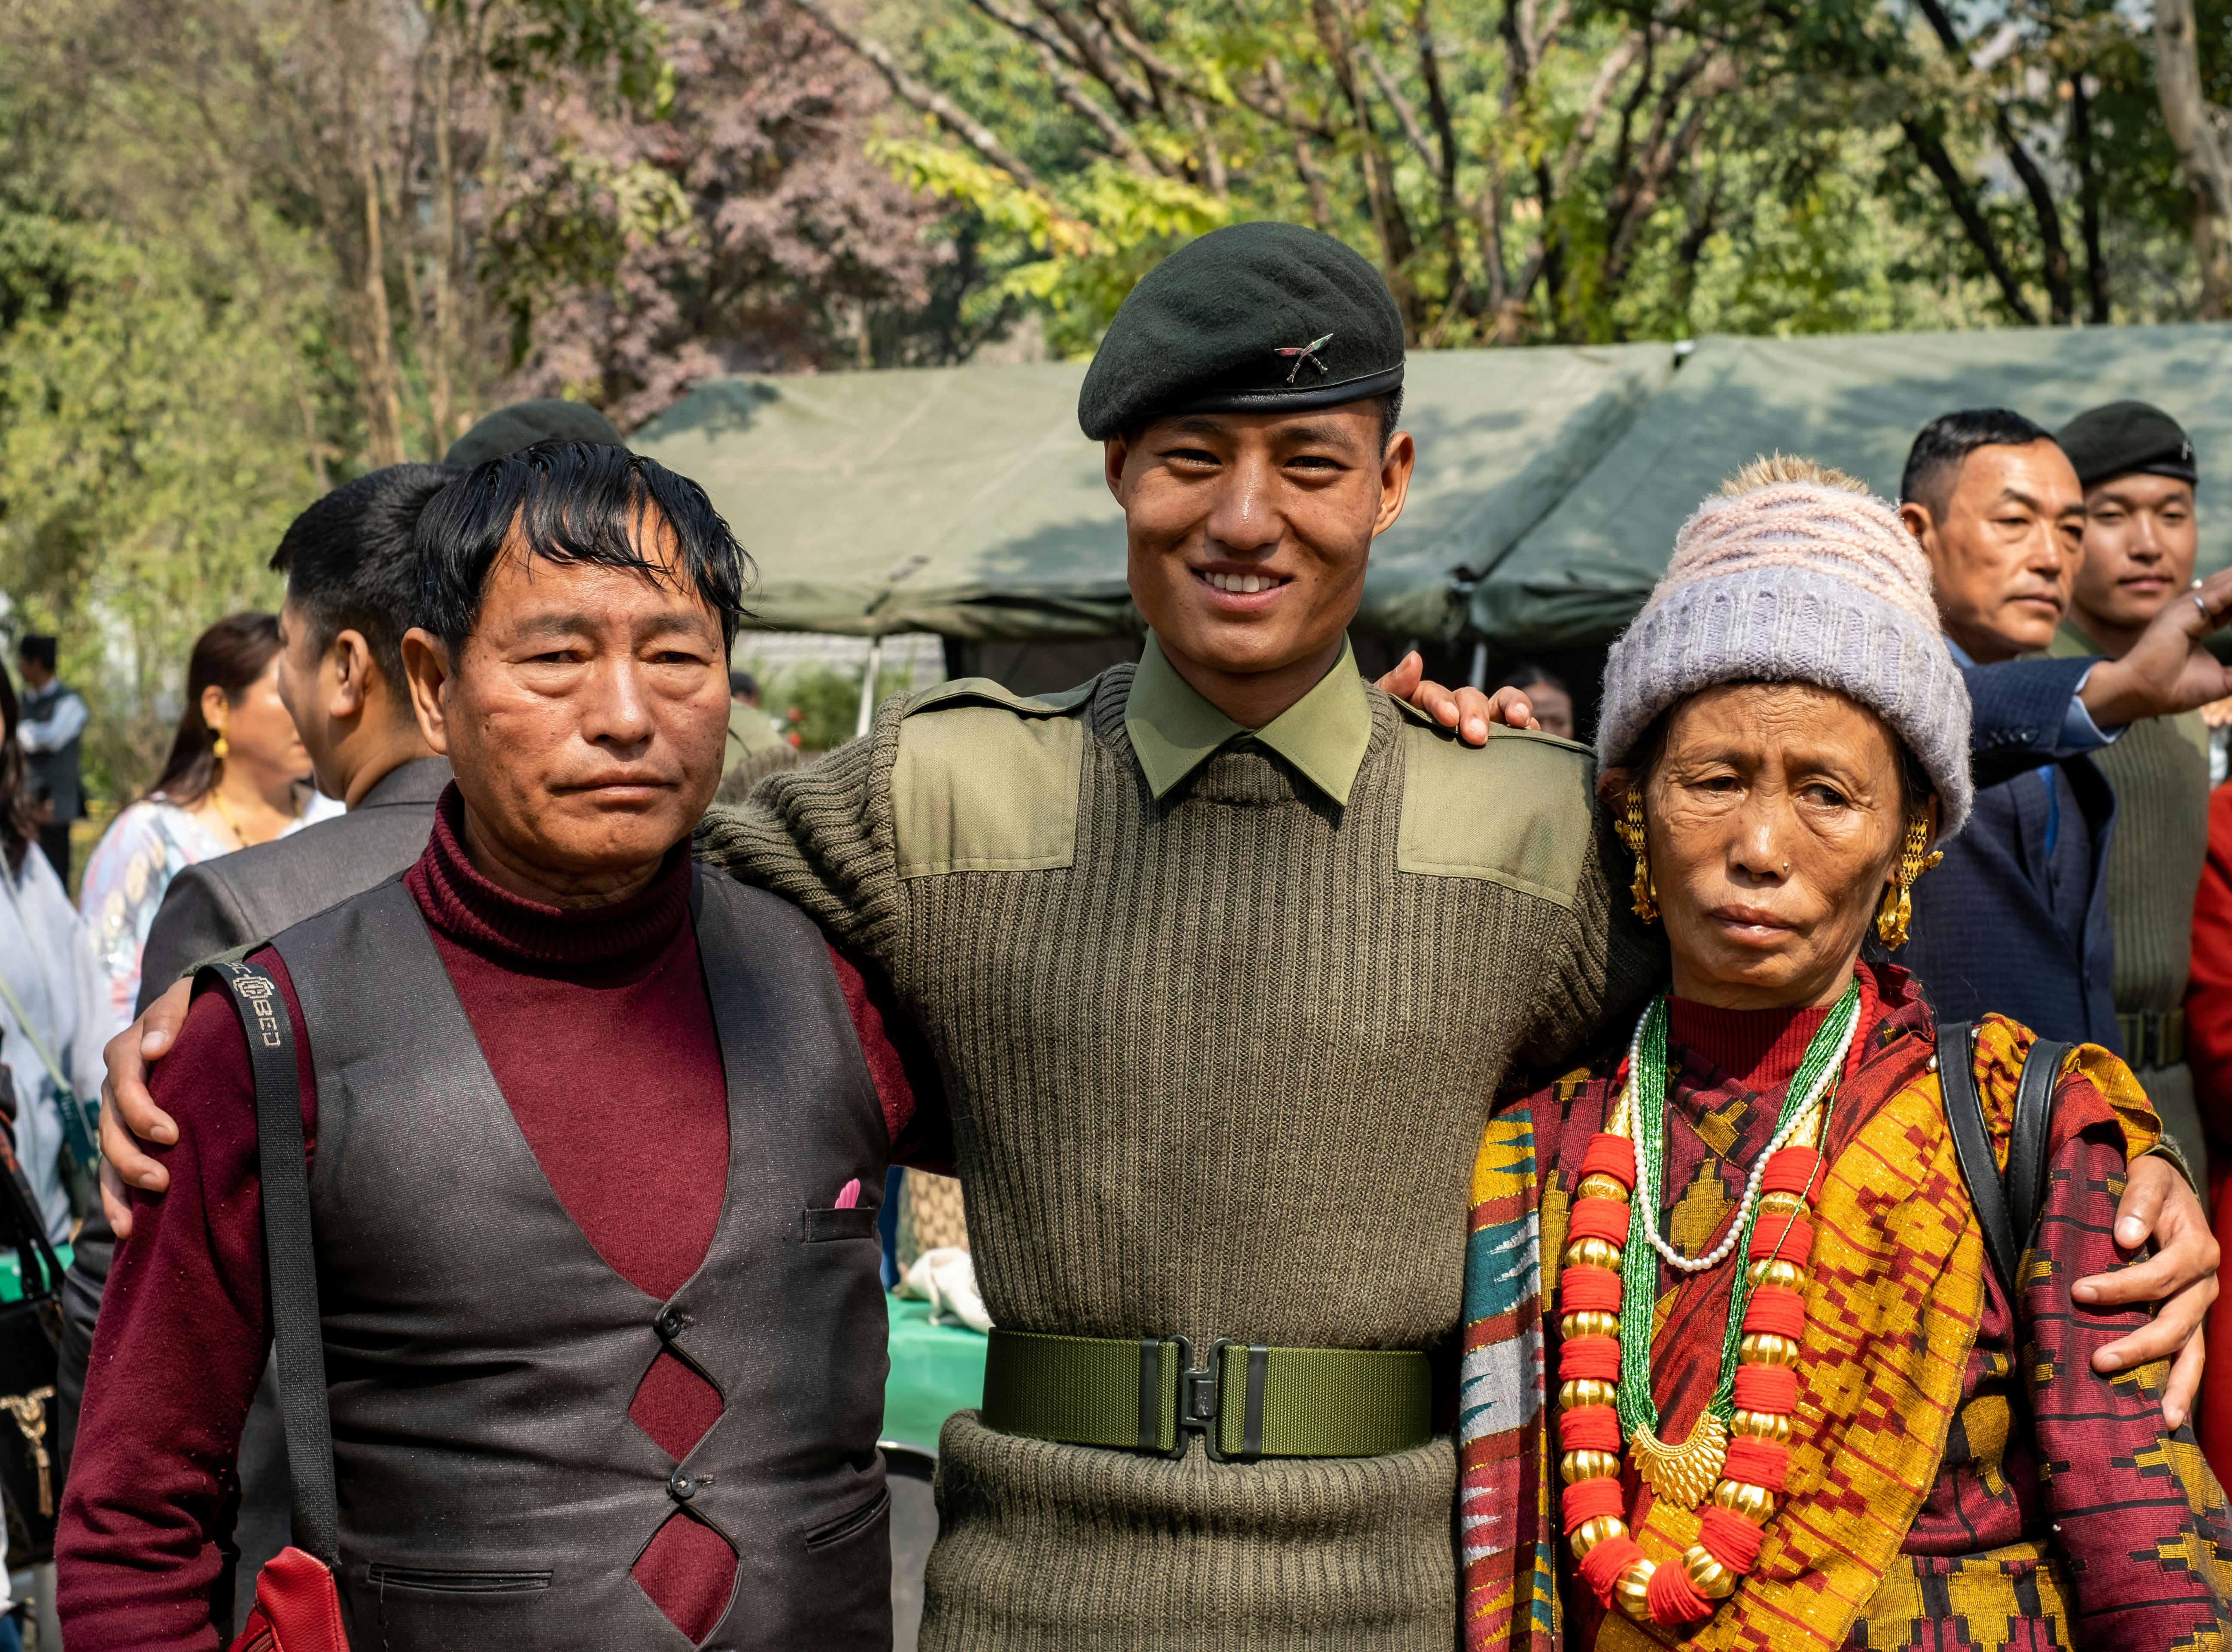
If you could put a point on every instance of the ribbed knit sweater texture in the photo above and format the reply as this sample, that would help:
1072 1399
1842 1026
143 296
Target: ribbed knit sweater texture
1225 1074
2160 771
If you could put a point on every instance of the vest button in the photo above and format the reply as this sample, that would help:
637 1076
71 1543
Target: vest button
669 1324
683 1485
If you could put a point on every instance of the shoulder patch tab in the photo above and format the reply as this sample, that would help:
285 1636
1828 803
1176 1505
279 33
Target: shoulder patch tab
983 691
989 782
1515 812
1413 712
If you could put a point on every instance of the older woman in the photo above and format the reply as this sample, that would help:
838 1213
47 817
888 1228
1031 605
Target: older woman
1794 1405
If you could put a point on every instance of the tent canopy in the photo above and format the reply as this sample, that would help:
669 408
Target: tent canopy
1580 575
965 501
1550 485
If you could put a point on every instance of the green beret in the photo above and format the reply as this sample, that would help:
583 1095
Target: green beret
2125 437
525 423
1251 318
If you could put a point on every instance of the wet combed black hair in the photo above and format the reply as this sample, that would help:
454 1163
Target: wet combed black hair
572 502
1940 446
352 562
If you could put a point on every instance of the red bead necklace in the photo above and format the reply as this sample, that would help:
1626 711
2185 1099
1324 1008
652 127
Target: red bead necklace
1746 1473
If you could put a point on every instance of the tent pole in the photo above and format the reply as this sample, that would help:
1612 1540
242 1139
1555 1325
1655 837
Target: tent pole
1480 665
868 686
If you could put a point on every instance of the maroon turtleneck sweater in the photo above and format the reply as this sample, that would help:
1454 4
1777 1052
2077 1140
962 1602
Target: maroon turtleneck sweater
639 1160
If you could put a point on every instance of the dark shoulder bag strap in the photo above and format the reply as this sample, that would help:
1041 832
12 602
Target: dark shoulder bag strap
1972 1145
2027 1150
290 1262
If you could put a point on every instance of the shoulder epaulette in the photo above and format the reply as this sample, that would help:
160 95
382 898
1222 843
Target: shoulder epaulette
1517 811
983 691
986 780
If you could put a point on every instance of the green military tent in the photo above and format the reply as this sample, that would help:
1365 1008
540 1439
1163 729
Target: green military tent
1551 481
1579 574
965 501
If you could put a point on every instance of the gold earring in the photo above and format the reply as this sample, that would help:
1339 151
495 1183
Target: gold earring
1898 906
218 748
1631 833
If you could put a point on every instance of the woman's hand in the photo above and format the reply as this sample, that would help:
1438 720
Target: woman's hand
128 1113
1469 711
2180 1276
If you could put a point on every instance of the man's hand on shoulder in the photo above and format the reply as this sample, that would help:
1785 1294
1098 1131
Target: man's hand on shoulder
2168 669
128 1113
2180 1276
1469 711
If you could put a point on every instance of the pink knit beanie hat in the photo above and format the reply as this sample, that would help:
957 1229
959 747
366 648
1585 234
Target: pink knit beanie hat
1798 582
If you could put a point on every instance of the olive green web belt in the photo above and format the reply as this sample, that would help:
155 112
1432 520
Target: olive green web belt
1246 1402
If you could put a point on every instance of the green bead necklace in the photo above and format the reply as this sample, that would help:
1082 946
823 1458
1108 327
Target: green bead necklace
1815 1081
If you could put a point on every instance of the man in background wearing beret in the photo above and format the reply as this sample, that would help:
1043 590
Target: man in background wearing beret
1185 943
2136 468
522 423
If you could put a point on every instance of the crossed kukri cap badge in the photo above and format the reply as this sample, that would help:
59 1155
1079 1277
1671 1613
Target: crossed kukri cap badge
1302 352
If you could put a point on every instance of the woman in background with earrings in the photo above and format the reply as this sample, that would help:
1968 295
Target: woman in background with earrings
1807 1387
237 774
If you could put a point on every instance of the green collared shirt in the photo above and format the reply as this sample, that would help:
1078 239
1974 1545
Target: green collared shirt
1175 731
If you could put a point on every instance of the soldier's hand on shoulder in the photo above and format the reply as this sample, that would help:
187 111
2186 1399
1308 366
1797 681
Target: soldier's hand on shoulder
1471 712
128 1114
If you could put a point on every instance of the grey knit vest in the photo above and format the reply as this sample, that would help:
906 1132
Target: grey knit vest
481 1357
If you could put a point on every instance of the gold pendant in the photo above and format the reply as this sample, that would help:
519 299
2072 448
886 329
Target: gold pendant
1683 1474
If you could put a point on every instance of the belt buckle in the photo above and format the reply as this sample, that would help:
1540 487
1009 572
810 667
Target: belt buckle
1199 1401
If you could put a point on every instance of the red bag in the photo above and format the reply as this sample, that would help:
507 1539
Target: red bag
297 1608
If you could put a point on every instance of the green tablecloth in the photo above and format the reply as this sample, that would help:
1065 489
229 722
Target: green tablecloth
936 1371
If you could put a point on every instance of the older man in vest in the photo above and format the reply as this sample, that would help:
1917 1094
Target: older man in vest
588 1135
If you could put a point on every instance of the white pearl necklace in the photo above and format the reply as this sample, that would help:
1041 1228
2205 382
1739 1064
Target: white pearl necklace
1801 1123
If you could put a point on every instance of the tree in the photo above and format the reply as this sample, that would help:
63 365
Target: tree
2196 129
759 236
249 247
1552 169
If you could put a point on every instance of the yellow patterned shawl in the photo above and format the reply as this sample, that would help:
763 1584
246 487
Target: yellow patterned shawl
1892 1311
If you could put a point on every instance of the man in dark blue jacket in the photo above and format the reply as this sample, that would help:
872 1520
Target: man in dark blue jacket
2016 920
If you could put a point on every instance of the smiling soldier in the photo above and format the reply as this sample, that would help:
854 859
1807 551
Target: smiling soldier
1223 958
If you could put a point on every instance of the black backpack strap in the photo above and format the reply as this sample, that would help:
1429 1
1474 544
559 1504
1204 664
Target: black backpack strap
1972 1145
2026 1149
289 1258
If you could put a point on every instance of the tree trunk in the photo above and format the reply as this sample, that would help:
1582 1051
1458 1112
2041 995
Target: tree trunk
383 396
2202 152
440 393
2088 197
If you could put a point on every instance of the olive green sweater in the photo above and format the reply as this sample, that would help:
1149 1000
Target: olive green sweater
2159 768
1222 1069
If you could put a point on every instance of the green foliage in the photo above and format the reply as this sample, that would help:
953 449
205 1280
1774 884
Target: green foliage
1611 169
534 40
147 466
573 230
815 700
1075 257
